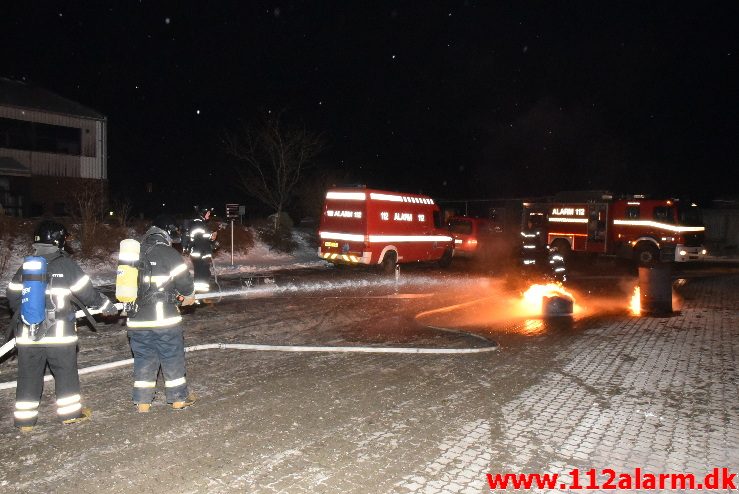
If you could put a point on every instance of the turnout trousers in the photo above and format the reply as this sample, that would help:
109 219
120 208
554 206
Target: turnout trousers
152 349
201 274
32 362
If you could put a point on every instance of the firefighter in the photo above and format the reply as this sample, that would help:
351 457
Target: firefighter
154 326
200 244
53 341
534 250
557 266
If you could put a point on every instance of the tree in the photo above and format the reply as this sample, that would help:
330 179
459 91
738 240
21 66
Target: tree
271 158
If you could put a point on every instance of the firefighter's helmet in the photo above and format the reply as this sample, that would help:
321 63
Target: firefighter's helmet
168 224
203 210
50 232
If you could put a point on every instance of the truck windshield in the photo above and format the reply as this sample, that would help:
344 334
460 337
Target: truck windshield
690 215
664 214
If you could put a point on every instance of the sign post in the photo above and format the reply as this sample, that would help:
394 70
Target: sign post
232 212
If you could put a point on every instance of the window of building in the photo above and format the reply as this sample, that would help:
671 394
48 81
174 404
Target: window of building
34 136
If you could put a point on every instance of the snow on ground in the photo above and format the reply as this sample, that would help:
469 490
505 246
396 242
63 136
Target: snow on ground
259 259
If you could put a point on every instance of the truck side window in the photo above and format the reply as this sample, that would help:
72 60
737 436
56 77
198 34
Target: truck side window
664 213
437 220
632 212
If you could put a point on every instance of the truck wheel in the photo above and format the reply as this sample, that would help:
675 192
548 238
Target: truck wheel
388 262
646 255
563 248
446 259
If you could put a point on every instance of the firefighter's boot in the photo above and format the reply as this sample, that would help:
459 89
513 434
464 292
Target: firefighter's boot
179 405
85 415
26 428
143 407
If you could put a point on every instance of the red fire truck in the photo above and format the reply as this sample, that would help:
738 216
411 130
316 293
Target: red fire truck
368 226
646 230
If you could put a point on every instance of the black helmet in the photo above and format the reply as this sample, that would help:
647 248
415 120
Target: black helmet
201 210
50 232
167 223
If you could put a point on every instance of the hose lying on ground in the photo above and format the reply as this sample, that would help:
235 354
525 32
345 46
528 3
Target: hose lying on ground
287 348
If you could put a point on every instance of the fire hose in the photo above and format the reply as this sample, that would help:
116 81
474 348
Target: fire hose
10 344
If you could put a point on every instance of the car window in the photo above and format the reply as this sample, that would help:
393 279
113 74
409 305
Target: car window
463 227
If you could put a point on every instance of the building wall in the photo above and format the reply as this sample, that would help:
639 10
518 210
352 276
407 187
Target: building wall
56 178
722 228
93 160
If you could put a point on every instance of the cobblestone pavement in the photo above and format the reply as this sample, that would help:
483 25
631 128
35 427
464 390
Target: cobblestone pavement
606 391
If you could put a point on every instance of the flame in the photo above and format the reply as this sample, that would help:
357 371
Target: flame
533 296
635 304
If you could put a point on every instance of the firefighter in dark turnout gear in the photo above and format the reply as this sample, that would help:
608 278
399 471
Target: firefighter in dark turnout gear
201 240
53 341
154 329
534 250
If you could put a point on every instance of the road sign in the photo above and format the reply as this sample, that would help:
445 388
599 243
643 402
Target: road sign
232 211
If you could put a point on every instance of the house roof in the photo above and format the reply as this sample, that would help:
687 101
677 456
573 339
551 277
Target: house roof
10 166
21 94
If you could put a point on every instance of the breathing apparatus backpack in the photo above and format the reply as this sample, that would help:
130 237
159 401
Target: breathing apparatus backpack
126 281
33 295
33 311
134 284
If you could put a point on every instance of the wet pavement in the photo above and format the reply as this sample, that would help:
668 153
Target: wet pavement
601 389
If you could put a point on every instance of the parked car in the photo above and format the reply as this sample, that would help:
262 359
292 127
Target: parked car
472 236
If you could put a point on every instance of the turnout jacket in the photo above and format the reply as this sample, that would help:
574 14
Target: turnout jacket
66 280
201 246
163 276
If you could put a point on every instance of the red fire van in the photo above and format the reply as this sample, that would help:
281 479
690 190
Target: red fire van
368 226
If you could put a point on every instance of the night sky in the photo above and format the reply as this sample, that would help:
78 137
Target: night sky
455 99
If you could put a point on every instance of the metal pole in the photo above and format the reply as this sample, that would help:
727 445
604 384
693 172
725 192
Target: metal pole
232 242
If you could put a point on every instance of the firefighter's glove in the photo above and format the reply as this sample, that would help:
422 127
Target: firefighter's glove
186 300
109 309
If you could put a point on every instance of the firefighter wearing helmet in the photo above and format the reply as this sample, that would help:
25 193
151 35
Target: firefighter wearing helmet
200 243
533 244
154 326
44 294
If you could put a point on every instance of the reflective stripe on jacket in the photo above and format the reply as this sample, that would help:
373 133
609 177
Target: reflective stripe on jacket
200 234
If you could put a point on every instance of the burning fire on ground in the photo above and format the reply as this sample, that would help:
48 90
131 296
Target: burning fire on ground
534 298
635 304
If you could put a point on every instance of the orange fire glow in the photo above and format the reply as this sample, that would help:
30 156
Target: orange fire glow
635 304
532 298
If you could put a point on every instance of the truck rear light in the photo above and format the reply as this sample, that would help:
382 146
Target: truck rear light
472 242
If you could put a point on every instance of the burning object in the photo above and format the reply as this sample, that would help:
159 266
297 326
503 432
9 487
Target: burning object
551 300
653 296
556 305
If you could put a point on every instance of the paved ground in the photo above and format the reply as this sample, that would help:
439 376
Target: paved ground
603 390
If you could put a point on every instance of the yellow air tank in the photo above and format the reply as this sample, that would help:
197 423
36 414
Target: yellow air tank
126 281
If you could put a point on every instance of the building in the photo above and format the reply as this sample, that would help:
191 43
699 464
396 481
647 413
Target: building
51 149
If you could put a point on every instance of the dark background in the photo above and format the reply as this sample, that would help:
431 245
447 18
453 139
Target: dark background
455 99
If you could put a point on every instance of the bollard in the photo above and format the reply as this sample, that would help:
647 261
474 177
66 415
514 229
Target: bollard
397 272
655 287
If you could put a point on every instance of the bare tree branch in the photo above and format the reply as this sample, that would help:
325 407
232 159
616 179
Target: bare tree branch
271 159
